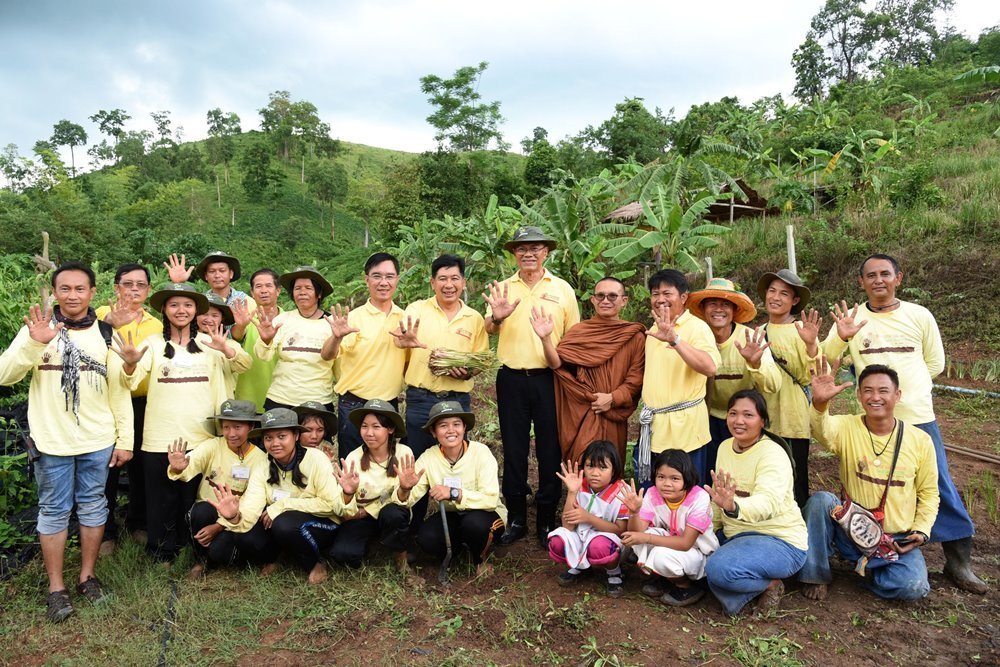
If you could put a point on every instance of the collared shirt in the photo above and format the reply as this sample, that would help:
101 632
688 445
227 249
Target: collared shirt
733 374
788 407
668 380
301 374
236 295
475 473
254 383
141 329
518 346
370 364
465 332
375 488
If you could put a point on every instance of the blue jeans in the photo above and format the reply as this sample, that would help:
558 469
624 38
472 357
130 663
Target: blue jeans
418 408
953 521
903 579
744 566
65 481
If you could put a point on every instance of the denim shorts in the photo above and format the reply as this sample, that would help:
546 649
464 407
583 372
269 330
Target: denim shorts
65 481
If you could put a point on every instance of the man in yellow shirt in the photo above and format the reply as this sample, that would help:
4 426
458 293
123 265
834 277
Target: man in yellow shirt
371 365
905 336
680 357
128 318
867 448
265 289
525 383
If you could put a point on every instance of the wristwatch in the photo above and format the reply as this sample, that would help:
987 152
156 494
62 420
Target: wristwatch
676 340
734 513
454 493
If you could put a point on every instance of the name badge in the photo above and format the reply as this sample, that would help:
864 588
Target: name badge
453 482
240 472
280 494
182 361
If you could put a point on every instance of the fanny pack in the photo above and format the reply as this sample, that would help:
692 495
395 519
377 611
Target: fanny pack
863 526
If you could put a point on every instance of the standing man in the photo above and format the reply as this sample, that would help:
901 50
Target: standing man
80 415
264 287
680 357
905 337
371 365
794 346
598 368
128 318
217 269
525 384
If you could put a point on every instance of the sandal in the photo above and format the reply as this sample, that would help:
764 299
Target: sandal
59 606
92 589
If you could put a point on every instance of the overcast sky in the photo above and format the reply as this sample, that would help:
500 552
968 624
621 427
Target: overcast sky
557 64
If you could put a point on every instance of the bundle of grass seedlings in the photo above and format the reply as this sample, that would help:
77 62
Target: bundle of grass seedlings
443 360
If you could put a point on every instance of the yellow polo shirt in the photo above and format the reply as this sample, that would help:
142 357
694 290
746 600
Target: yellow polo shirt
466 332
518 346
370 364
141 329
668 380
733 374
788 407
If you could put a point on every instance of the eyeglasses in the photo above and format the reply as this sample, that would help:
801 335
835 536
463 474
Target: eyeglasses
128 284
379 277
529 249
608 297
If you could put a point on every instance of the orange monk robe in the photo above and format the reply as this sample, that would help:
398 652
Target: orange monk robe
604 356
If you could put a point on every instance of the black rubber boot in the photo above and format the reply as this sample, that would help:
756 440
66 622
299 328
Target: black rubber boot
545 523
958 566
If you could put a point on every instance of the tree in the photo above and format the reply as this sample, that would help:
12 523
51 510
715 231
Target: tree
538 134
850 34
222 127
258 174
132 146
633 132
111 123
328 181
162 121
366 200
910 31
16 169
66 133
275 120
539 166
812 70
461 120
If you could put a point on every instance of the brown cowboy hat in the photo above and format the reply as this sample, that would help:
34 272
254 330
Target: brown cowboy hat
160 296
720 288
792 280
218 256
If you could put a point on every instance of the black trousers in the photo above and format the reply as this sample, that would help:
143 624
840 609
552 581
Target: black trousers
228 547
472 529
135 513
351 540
525 398
302 537
167 505
800 455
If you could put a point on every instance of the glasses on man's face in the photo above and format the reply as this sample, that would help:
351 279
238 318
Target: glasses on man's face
611 298
128 284
529 249
379 277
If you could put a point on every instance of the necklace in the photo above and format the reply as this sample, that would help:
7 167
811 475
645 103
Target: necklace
740 449
878 309
871 440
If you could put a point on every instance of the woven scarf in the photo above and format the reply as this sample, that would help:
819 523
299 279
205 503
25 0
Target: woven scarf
75 360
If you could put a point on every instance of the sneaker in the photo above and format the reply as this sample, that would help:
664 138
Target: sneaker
682 597
92 590
616 587
59 606
568 578
657 587
515 531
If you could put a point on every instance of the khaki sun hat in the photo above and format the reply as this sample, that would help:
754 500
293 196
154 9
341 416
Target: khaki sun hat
287 280
792 280
529 235
379 407
317 408
721 288
275 419
449 409
238 411
159 298
218 256
215 301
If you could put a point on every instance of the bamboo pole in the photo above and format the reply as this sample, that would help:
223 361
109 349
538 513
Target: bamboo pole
708 269
790 242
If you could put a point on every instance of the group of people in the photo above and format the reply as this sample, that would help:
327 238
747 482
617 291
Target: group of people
720 489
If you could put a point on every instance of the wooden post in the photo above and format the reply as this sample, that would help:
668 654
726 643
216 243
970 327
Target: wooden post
218 190
708 269
790 242
732 202
234 217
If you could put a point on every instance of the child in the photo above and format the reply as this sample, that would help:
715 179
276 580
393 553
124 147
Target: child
593 517
671 529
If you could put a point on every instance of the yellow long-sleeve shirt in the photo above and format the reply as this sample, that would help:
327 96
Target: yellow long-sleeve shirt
229 370
788 407
371 366
322 495
182 392
141 329
475 473
764 493
906 340
104 417
463 333
668 380
733 374
518 346
912 503
301 373
215 461
376 489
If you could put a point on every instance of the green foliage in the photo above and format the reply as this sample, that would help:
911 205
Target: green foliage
66 133
258 175
461 120
631 133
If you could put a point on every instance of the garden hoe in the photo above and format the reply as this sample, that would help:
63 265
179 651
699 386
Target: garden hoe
443 572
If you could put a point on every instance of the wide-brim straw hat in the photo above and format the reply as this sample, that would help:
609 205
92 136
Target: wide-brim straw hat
218 256
287 280
449 409
277 419
792 280
215 301
720 288
378 407
316 408
529 235
160 296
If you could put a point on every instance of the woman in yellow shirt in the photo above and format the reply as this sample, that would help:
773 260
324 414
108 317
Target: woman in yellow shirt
318 426
764 535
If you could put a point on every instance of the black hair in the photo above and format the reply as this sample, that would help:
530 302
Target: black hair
317 287
603 451
887 258
378 258
366 458
274 470
612 279
680 461
445 261
129 268
75 266
307 416
192 345
756 398
266 272
879 369
670 277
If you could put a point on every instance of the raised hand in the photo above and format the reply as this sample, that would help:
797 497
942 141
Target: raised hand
347 478
177 455
218 339
125 348
266 326
664 322
722 490
337 319
121 312
241 313
38 325
753 349
572 476
406 473
406 336
177 270
226 503
808 326
497 298
824 382
631 498
541 322
845 320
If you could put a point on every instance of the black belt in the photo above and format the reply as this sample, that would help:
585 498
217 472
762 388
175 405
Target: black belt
528 371
438 394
